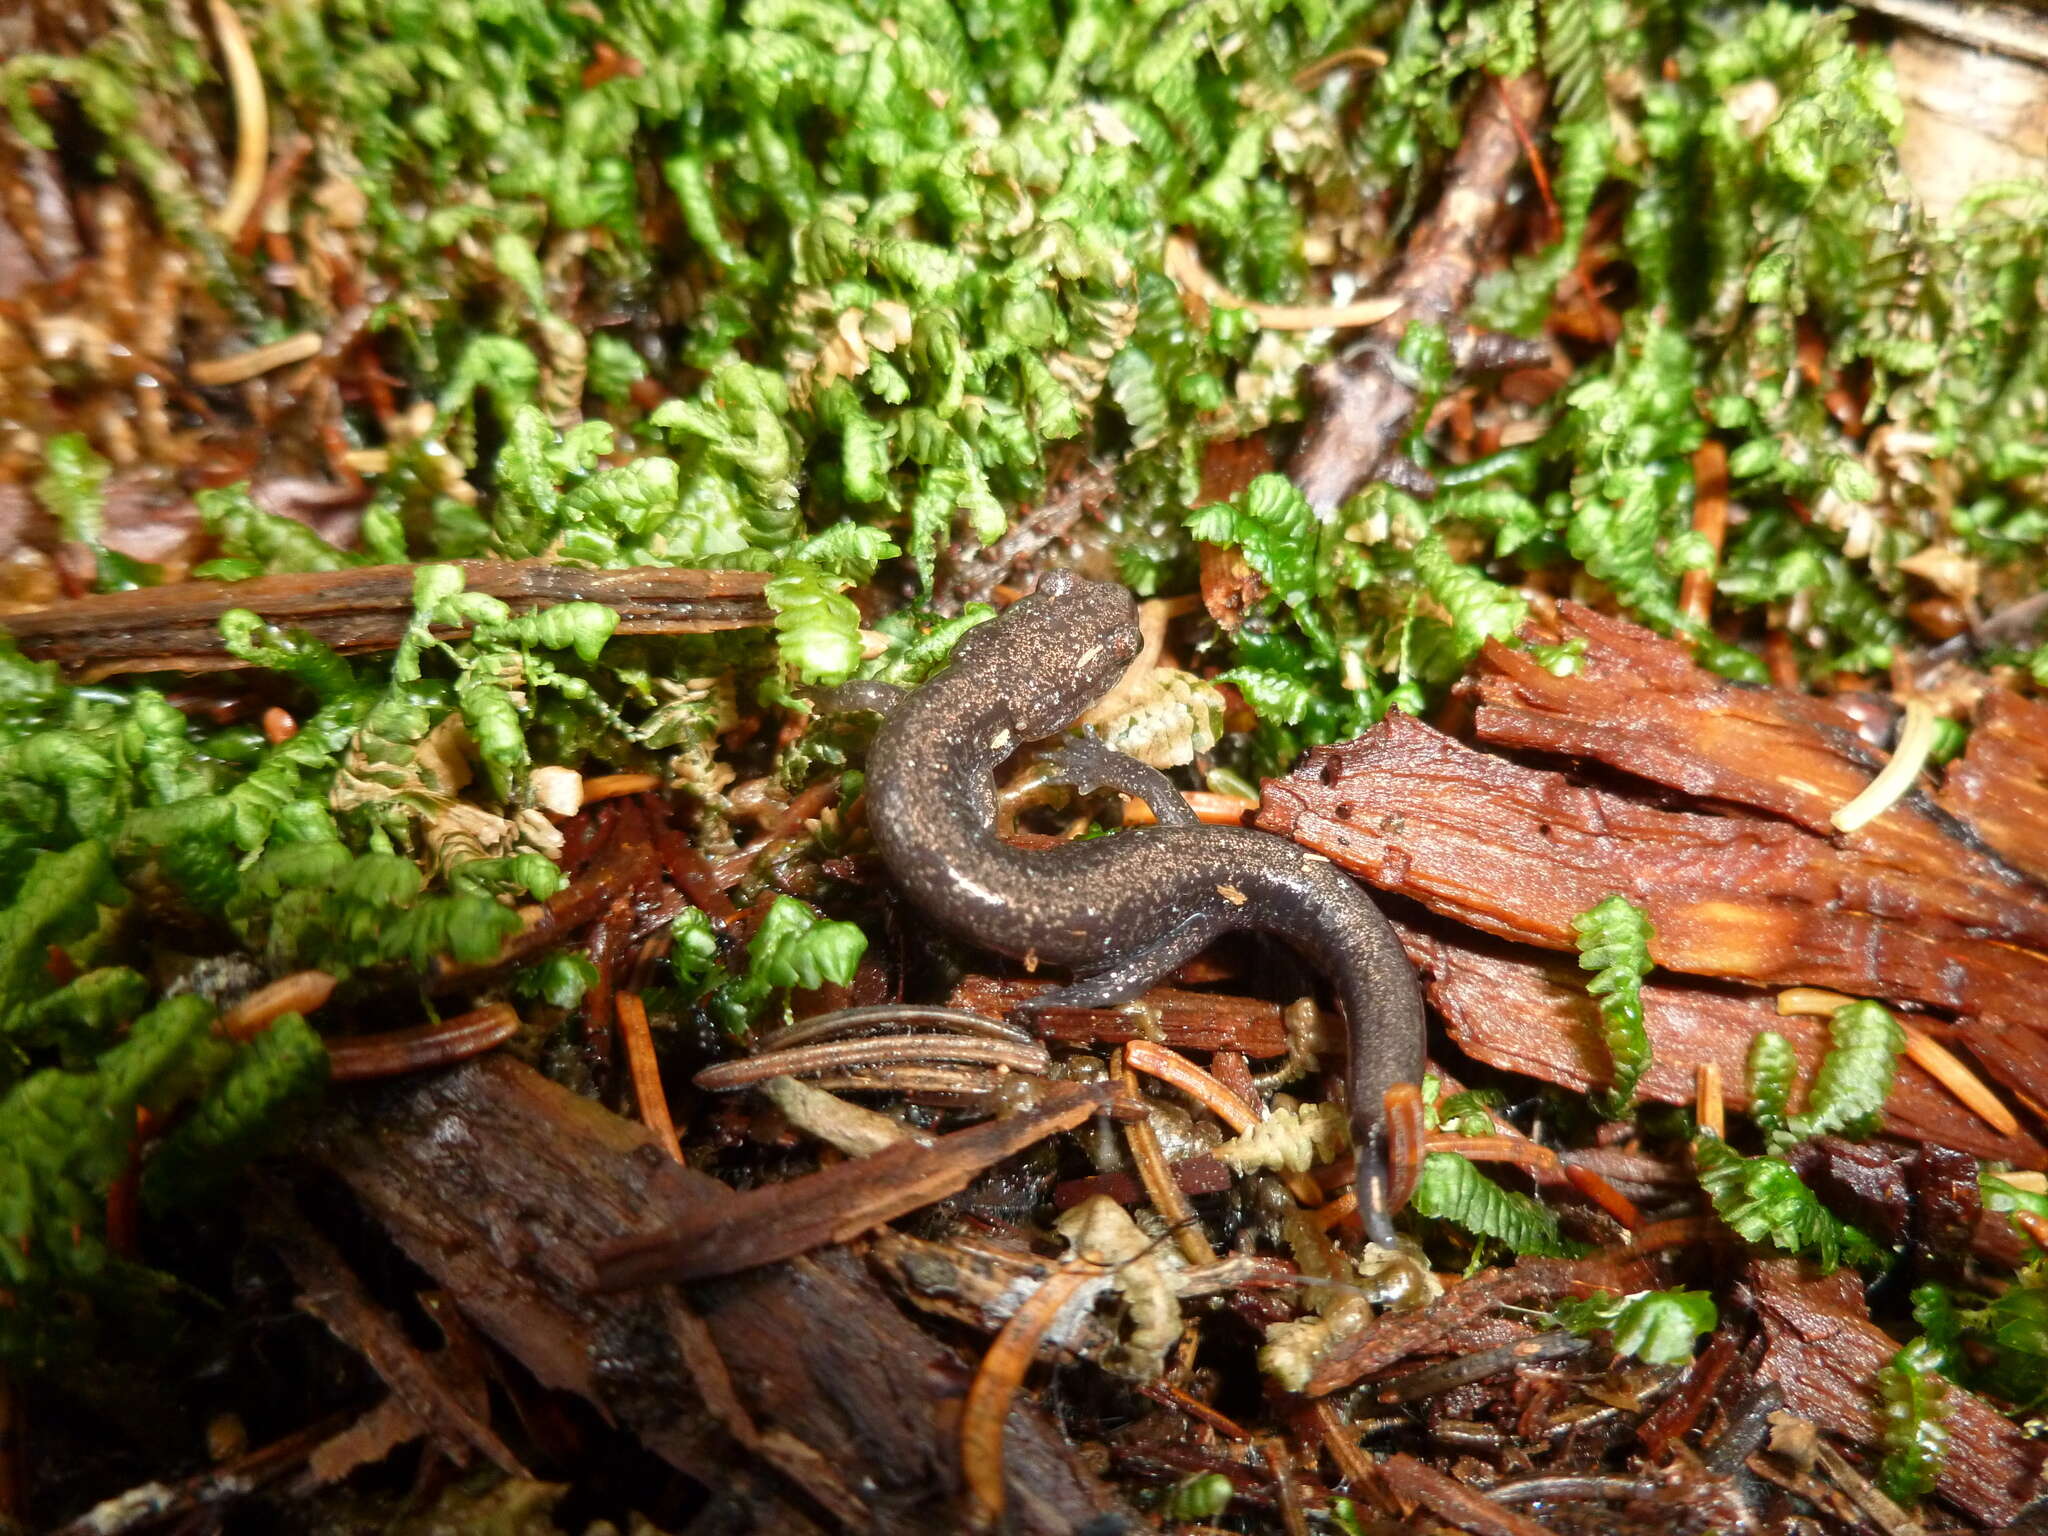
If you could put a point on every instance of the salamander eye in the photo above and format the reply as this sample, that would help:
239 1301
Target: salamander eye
1057 583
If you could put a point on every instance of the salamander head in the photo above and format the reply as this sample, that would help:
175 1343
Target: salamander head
1073 638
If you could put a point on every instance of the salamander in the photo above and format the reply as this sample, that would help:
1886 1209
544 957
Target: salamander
1120 912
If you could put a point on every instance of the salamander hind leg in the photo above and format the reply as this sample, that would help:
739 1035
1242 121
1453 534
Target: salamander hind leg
1085 764
1135 974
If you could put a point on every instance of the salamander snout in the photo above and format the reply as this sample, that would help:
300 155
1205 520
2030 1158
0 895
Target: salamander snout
1075 637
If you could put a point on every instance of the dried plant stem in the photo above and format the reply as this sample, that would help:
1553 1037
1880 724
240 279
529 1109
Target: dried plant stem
996 1383
640 1060
1161 1187
252 119
428 1045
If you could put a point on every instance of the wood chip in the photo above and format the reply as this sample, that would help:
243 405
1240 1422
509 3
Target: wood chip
779 1221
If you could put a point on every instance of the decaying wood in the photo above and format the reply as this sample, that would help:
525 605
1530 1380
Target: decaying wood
1416 1482
1363 410
1522 1010
455 1413
367 609
1640 705
498 1182
839 1202
2000 784
155 1505
1519 852
1189 1021
1824 1353
1445 1323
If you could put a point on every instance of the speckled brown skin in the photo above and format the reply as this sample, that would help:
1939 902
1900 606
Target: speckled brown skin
1120 912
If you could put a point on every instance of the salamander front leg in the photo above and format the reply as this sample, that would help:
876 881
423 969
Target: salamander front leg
1135 974
861 694
1085 764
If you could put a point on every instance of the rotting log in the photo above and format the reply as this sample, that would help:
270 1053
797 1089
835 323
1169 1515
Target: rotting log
1824 1353
1640 704
1522 1010
176 628
497 1182
1519 852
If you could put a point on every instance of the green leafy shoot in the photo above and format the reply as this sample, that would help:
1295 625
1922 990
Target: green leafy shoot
1275 529
1614 943
1772 1067
69 1136
1916 1405
1660 1327
1451 1188
793 947
2004 1199
1855 1076
2007 1339
1764 1201
693 953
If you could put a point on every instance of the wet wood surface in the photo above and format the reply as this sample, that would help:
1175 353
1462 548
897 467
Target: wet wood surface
497 1182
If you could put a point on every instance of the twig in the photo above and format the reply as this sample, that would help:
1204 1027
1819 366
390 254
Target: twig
1923 1050
1709 519
1603 1194
301 992
833 1205
1192 1021
1496 1149
1184 266
240 367
1175 1069
1217 810
878 1050
252 119
1195 1408
610 786
1563 1490
331 1291
1364 410
841 1021
1293 1518
369 608
646 1072
995 1384
1864 1494
1674 1418
1711 1113
1466 1369
363 1057
1161 1187
154 1503
1340 1440
1445 1497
